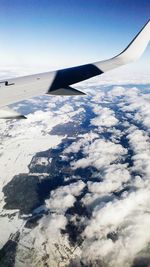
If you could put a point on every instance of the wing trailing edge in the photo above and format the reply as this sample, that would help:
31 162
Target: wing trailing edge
68 91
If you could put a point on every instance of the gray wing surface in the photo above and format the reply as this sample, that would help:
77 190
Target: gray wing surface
60 82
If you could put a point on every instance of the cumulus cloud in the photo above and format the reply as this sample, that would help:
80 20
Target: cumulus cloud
85 139
140 142
138 103
64 197
100 154
125 219
113 179
106 117
117 91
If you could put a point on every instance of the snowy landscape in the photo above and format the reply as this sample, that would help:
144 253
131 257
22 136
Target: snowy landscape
74 179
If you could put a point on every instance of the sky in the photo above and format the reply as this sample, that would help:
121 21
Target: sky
45 35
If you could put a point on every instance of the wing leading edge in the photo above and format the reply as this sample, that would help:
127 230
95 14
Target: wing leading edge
60 82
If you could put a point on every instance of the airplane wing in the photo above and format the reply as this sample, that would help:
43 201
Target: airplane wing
60 82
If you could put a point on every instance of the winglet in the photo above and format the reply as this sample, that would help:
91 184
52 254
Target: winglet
132 52
137 46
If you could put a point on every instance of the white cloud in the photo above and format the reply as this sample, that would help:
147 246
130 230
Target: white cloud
106 117
84 140
117 91
64 197
128 219
140 142
100 154
113 179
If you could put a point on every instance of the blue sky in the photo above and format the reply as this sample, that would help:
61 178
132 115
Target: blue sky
44 35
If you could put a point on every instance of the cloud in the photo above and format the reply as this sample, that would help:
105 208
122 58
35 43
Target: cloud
117 91
106 117
84 140
125 217
100 154
113 179
140 142
64 197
